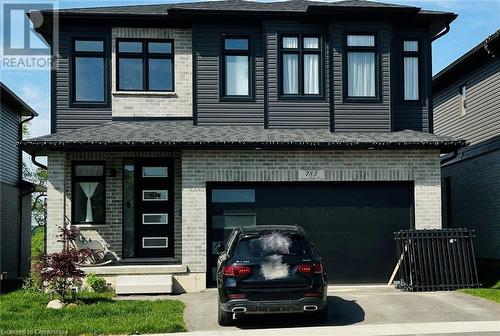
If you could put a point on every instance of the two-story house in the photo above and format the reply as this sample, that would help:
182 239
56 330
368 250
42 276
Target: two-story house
467 105
174 123
15 193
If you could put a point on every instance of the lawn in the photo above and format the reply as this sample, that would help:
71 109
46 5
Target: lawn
492 293
24 313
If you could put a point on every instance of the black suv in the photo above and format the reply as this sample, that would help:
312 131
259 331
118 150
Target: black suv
269 269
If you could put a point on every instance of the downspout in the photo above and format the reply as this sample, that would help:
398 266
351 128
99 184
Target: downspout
21 195
449 158
442 32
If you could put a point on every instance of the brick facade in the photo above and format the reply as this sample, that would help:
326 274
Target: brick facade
157 104
199 167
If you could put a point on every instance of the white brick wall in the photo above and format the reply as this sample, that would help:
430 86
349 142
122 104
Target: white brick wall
157 104
198 167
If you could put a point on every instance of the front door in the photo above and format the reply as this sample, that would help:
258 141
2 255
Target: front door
154 208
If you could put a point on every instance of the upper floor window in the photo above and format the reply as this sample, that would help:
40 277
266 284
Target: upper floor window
463 100
145 65
411 56
361 66
236 67
89 71
300 65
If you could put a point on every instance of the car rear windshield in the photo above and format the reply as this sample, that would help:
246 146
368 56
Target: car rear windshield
272 244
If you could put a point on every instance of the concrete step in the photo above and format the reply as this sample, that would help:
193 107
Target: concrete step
144 284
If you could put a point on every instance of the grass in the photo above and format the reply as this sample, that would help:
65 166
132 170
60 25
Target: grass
37 242
492 293
23 313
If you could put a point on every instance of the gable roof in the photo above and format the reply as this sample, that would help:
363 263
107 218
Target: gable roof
18 105
164 134
486 50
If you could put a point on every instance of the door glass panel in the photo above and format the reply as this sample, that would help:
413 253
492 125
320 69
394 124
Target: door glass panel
155 195
233 195
154 242
154 171
155 218
128 210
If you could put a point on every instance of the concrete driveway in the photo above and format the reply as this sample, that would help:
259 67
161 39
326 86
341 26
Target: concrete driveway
360 311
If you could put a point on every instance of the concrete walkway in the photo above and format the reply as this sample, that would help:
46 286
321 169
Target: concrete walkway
366 311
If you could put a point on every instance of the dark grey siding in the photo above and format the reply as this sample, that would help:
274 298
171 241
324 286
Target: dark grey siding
471 199
294 113
210 110
411 115
483 100
9 163
373 116
9 190
68 117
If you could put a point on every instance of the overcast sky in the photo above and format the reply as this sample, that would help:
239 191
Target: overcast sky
477 19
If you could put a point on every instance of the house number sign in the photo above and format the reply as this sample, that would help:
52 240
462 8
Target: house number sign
311 175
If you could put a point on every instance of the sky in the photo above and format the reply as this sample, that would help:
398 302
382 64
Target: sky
477 19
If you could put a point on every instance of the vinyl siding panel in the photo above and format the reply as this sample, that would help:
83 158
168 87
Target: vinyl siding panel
286 113
210 109
482 121
474 198
9 163
361 116
9 229
68 117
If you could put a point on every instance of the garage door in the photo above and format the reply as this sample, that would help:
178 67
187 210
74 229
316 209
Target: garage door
351 224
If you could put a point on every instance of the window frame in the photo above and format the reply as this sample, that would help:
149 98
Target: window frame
145 56
105 55
417 54
75 179
462 100
251 68
345 77
301 51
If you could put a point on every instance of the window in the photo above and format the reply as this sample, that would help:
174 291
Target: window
145 65
154 242
233 195
463 100
154 171
361 66
89 72
155 195
411 60
300 57
88 193
236 68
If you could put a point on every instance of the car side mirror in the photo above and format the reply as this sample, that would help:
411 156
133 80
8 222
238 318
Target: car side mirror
220 248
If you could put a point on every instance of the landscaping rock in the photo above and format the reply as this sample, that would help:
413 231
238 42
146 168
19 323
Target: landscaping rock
55 304
71 305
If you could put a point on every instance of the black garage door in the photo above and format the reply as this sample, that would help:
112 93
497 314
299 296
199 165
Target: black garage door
351 224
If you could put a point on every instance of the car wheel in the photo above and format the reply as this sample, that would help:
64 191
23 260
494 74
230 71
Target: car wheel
224 318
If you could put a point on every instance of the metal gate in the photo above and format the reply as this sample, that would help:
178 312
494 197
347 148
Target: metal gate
431 260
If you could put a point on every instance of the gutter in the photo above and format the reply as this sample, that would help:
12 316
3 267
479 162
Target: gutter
442 32
21 195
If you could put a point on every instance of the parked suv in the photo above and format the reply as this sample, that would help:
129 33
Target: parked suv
269 269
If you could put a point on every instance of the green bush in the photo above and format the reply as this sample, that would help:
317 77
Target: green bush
96 283
37 243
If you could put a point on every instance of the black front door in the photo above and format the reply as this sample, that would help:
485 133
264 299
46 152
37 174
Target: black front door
154 208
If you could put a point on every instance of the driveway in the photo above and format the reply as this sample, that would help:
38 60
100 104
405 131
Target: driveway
362 311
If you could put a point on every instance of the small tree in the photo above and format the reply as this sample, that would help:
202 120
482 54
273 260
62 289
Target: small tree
59 270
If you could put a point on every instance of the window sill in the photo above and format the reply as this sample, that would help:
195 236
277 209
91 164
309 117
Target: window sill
88 226
144 93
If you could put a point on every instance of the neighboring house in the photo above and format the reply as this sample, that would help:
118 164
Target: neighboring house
15 194
174 123
467 105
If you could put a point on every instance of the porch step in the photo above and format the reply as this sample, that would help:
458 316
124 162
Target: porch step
144 284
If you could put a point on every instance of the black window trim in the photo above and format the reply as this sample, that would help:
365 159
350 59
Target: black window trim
251 68
418 54
301 51
375 49
75 179
72 74
145 56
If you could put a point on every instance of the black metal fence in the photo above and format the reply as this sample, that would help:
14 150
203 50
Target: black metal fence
432 260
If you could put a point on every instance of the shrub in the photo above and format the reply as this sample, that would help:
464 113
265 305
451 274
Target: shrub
96 283
37 243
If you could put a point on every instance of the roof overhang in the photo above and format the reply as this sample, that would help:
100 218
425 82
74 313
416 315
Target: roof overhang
17 104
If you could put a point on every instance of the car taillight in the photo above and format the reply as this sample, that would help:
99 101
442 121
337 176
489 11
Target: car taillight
236 296
237 270
316 268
